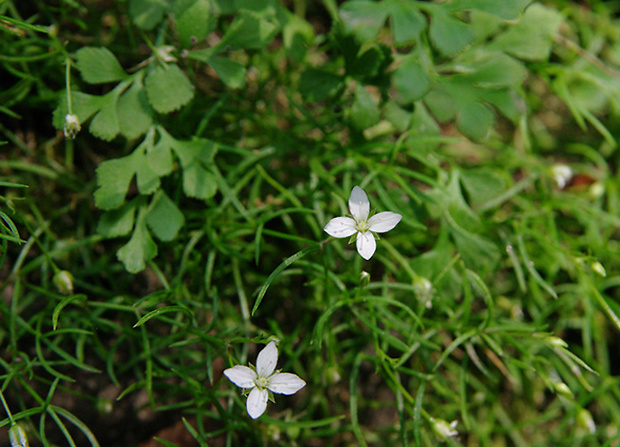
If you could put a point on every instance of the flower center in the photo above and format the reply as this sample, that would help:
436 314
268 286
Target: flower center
362 226
261 382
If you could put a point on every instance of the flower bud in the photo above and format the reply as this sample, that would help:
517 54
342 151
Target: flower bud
585 421
423 290
562 389
443 429
17 436
561 174
72 126
556 342
598 268
63 280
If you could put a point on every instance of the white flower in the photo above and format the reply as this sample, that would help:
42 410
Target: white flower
263 380
443 429
561 174
361 226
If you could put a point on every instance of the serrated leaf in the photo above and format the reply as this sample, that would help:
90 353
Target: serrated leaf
364 112
249 30
194 22
168 88
133 111
140 249
410 80
164 218
159 157
448 34
147 178
531 39
493 70
118 222
99 65
105 124
316 85
147 14
82 104
399 117
232 73
113 179
407 21
363 19
366 64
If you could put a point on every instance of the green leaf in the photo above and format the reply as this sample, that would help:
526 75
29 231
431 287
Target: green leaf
531 39
117 222
194 22
407 21
482 185
366 64
164 218
105 124
410 80
82 104
249 30
478 253
168 88
507 10
475 119
254 5
364 112
448 35
317 85
147 178
297 36
363 19
159 157
99 65
494 69
194 155
232 73
400 118
134 113
140 248
198 182
113 178
146 14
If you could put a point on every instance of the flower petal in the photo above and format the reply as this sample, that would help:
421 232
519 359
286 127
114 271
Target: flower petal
382 222
257 402
340 227
359 204
242 376
366 245
285 383
266 360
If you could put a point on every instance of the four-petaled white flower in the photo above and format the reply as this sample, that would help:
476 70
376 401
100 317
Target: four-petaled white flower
361 226
263 380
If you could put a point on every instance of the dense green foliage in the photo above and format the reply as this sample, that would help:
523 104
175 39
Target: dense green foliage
167 169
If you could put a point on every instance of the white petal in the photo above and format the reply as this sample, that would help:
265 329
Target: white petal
359 204
266 360
242 376
257 402
366 245
382 222
340 227
285 383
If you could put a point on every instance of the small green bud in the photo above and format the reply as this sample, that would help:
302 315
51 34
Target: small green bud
17 436
563 389
365 278
598 268
585 421
63 280
556 342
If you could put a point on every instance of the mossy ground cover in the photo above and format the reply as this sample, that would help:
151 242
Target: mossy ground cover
187 259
